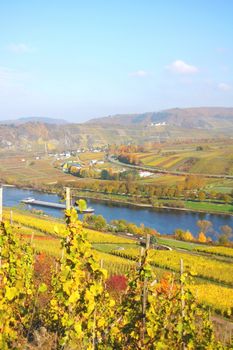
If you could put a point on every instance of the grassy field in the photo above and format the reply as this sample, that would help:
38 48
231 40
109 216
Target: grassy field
200 206
108 247
211 207
173 243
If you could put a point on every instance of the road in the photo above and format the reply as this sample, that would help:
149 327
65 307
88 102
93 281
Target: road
163 171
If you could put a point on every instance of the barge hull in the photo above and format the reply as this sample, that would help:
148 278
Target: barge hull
53 205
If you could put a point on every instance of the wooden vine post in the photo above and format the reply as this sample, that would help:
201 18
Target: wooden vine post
182 294
68 198
145 293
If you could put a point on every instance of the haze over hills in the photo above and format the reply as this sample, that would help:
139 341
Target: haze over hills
179 124
24 120
200 117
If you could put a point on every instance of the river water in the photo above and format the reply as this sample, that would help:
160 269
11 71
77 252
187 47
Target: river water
163 220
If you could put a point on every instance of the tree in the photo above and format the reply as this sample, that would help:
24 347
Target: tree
177 192
226 234
227 199
153 240
213 194
188 236
223 239
122 188
121 225
201 196
132 228
179 233
104 174
96 222
204 225
171 192
227 230
202 238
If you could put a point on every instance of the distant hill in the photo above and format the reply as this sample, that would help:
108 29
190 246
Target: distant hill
32 134
201 117
44 120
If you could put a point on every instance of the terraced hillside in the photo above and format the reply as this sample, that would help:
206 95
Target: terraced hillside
176 123
212 160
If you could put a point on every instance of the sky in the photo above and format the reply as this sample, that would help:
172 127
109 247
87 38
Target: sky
78 60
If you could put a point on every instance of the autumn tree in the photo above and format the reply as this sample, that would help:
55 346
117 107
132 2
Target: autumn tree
202 238
227 199
201 196
226 234
204 225
179 233
188 236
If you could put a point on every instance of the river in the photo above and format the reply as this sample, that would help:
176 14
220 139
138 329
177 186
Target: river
164 221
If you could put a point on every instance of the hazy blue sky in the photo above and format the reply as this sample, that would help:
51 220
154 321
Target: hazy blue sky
82 59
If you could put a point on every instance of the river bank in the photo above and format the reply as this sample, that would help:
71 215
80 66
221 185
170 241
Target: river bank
163 220
141 205
97 196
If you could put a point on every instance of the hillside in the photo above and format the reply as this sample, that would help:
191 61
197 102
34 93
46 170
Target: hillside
178 124
33 136
203 117
24 120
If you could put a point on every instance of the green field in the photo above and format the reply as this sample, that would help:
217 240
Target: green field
174 243
212 207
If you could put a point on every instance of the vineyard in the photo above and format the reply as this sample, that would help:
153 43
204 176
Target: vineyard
218 298
215 160
118 256
118 253
69 305
56 229
202 267
222 251
116 265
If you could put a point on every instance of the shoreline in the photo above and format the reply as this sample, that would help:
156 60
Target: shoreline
129 204
149 206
